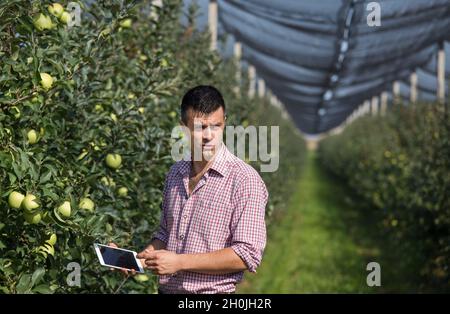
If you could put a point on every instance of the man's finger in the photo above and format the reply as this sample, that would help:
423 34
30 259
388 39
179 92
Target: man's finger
112 244
143 254
147 254
151 263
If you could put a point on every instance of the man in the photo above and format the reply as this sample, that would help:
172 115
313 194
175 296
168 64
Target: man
212 224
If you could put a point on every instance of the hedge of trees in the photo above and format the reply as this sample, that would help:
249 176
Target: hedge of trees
86 114
399 164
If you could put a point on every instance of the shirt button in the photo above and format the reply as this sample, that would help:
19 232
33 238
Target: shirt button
184 216
181 237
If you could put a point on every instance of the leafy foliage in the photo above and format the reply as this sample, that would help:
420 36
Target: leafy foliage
114 88
400 165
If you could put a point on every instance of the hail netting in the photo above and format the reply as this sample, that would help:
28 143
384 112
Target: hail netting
322 60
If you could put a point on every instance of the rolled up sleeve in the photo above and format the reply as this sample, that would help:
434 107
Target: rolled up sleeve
248 224
161 233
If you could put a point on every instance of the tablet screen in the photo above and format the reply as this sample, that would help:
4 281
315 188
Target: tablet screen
120 258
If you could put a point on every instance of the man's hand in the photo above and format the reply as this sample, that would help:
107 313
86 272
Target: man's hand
147 250
161 262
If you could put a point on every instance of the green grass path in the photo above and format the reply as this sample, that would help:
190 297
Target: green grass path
321 244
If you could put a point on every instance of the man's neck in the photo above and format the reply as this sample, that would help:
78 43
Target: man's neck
201 166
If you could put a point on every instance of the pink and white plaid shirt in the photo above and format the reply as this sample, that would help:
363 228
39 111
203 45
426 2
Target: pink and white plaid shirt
226 209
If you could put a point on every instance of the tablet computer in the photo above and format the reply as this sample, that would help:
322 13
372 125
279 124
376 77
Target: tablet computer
118 258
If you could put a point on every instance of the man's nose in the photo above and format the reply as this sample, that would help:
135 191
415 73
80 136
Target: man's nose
207 134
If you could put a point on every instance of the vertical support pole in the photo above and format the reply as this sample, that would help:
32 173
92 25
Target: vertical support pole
366 109
413 83
237 56
374 110
251 81
384 100
441 74
212 22
396 92
261 88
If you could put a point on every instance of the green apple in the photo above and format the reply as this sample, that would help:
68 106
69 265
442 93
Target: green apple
56 9
65 209
98 108
105 181
46 80
113 160
164 63
32 218
37 99
42 22
32 137
123 191
52 239
15 111
65 17
172 114
30 203
141 277
126 23
105 33
15 199
87 204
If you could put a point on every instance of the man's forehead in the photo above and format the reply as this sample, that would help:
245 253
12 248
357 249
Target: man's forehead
213 117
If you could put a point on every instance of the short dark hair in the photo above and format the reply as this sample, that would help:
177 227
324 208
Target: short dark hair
202 98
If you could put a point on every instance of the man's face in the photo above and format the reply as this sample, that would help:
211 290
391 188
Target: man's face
206 133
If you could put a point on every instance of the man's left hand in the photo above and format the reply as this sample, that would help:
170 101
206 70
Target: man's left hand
161 262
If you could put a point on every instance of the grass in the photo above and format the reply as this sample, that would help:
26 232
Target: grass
321 244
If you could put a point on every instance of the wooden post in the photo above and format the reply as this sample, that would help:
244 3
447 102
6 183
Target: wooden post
384 99
251 81
396 92
413 83
441 74
273 99
212 23
238 55
275 102
261 88
374 110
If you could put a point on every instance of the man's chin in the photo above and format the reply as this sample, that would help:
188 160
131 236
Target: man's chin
208 153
